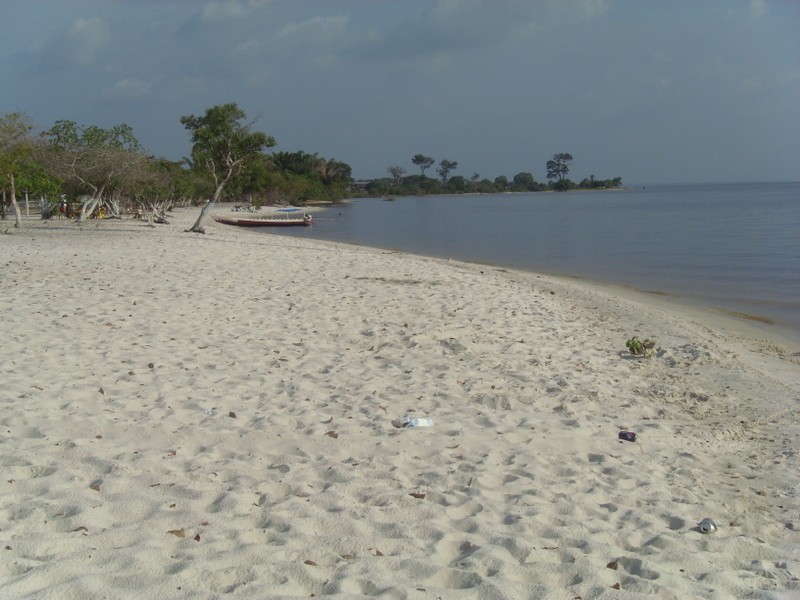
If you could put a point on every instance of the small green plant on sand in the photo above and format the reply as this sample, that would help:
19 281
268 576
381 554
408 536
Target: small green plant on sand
639 347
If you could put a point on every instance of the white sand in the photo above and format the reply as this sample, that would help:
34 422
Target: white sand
188 416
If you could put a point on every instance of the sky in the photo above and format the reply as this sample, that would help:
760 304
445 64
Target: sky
652 91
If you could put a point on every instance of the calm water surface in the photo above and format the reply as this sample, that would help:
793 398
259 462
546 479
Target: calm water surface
732 246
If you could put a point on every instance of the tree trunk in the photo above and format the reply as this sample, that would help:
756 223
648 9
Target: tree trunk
92 201
88 205
157 212
198 225
17 213
113 206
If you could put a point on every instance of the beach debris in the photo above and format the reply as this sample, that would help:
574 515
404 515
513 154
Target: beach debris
181 533
196 538
95 486
232 415
614 565
407 422
467 547
639 347
616 586
707 525
628 436
332 434
417 495
310 563
102 391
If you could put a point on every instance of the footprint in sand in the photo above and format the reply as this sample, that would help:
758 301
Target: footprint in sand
634 567
453 579
464 511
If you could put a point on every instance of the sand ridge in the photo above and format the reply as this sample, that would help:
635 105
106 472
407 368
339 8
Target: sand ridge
191 416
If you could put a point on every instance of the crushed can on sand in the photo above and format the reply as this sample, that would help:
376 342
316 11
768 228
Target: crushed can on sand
628 436
707 526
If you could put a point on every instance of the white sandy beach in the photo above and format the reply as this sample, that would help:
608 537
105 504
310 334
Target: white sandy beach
196 417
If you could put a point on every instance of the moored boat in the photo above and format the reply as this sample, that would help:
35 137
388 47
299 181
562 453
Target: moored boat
284 217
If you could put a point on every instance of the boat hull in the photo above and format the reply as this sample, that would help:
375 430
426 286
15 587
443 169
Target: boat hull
263 222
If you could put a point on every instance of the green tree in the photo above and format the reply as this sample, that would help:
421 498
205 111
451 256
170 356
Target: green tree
223 143
564 185
97 159
299 163
16 151
484 186
335 176
397 173
558 166
523 182
457 183
332 170
423 162
445 167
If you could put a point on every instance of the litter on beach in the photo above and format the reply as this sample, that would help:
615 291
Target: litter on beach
707 526
406 422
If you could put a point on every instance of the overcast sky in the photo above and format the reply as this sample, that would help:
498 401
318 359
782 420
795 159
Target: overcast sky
653 91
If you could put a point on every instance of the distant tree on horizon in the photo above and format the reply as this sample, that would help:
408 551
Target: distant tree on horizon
523 181
558 166
423 162
445 166
397 173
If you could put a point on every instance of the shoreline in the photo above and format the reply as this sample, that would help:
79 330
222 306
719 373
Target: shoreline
188 416
732 321
730 284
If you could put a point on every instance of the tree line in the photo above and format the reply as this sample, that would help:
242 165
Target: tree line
81 171
400 183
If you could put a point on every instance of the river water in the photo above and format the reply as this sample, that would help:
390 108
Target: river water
731 246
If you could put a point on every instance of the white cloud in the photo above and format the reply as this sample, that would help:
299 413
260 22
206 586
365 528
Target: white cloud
216 11
84 39
225 10
758 8
127 89
315 30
